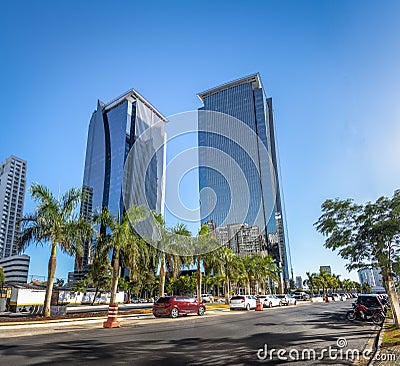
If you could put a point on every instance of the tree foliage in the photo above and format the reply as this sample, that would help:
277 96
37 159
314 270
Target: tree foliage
367 236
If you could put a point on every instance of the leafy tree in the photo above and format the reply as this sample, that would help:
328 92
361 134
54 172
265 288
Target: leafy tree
366 288
367 236
56 223
2 279
116 235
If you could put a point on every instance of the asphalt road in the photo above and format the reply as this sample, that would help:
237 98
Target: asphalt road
218 338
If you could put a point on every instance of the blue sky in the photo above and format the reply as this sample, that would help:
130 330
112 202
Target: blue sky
331 67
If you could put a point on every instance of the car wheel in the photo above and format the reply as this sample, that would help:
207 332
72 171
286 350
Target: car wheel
174 313
295 303
248 307
280 303
270 305
201 310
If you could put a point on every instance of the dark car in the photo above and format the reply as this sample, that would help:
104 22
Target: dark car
369 300
174 306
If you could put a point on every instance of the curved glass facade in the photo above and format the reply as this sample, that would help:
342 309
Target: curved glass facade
113 130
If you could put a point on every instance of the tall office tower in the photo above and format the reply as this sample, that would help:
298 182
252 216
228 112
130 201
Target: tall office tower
238 168
12 195
113 130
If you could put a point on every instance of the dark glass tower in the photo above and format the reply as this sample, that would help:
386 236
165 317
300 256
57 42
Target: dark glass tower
255 155
113 129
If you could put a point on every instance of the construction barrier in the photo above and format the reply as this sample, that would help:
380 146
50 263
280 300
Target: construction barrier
112 321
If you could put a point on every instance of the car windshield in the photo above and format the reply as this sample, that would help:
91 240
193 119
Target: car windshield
280 296
237 297
164 299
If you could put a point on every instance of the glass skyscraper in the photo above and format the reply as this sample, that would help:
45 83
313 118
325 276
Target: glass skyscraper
114 128
238 167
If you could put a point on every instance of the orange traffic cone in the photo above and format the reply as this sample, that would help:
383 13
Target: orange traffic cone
112 321
259 307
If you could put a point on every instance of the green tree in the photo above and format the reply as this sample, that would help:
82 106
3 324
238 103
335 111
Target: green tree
54 221
367 236
311 281
366 288
116 235
2 277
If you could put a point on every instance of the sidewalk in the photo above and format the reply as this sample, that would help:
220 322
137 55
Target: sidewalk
386 355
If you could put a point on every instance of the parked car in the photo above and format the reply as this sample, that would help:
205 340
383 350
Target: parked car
343 297
207 298
269 301
287 299
242 302
301 296
174 306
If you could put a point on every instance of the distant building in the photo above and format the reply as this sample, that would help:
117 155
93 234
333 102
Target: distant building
16 268
12 196
241 238
326 269
299 282
370 276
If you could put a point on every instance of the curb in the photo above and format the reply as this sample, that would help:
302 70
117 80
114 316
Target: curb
44 323
378 345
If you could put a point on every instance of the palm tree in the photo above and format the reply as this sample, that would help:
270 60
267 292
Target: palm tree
170 249
54 221
116 235
265 268
310 281
250 269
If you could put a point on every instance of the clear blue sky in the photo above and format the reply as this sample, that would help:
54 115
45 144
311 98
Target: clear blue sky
331 67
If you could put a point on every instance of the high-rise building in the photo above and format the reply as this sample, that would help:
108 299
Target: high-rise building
113 130
327 269
299 282
12 196
250 146
371 276
16 268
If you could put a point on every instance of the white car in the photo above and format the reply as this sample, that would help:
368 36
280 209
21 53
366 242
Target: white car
269 301
287 299
242 302
207 298
343 297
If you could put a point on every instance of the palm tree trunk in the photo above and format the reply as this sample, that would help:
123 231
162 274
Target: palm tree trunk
95 294
198 279
226 290
247 286
115 276
162 276
50 280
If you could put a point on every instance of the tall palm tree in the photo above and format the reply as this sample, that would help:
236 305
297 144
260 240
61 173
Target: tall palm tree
116 235
250 269
310 281
265 268
55 222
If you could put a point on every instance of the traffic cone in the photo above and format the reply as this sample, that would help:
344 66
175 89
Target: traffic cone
112 321
259 307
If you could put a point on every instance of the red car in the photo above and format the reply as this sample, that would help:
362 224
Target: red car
174 306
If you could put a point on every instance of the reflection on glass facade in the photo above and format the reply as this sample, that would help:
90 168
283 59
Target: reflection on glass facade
244 100
113 129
